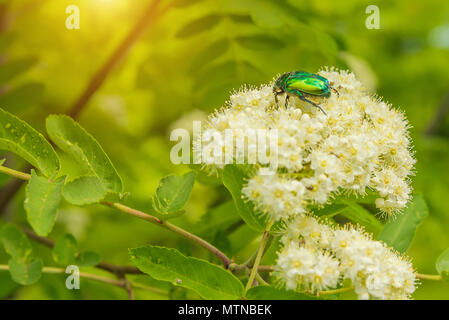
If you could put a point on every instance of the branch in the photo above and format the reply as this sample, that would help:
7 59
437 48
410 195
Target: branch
147 19
142 215
266 268
117 270
167 225
122 283
129 289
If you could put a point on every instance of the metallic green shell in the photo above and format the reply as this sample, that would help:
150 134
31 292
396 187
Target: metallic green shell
300 82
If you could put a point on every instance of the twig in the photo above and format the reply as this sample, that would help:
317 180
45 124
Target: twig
117 270
122 283
167 225
266 268
53 270
148 18
129 289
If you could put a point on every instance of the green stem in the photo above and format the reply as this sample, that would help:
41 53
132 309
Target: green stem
434 277
261 280
250 262
257 261
335 291
123 283
15 173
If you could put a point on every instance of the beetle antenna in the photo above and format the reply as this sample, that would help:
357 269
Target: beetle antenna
276 99
313 103
335 90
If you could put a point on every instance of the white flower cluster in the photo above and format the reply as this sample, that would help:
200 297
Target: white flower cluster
362 143
316 256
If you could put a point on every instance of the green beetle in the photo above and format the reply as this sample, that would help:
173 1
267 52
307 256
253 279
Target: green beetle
302 84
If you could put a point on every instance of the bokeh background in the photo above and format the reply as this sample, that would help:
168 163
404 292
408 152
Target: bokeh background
186 60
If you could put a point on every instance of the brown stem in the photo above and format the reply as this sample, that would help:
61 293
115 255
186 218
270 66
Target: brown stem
265 268
129 289
167 225
117 270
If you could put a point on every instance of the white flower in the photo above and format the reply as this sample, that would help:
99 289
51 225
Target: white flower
304 268
360 143
375 270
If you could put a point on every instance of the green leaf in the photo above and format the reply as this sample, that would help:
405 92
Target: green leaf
399 232
173 193
84 190
272 293
209 54
22 97
442 265
42 200
358 214
20 138
206 279
25 272
24 269
260 42
199 25
88 259
73 139
218 218
65 250
15 242
330 210
12 69
234 177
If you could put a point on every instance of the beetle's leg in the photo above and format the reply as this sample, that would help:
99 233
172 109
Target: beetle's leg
276 99
335 90
312 103
286 100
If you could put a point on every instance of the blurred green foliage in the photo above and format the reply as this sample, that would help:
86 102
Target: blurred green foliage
191 59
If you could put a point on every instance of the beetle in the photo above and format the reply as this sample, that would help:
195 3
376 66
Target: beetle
302 84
